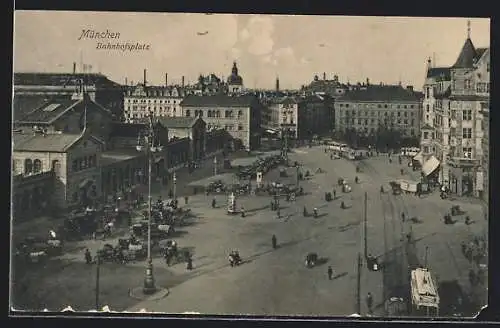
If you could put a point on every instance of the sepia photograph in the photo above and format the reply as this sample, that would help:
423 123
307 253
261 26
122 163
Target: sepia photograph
250 164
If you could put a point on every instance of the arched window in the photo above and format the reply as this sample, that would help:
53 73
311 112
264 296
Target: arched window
56 167
28 166
218 114
37 166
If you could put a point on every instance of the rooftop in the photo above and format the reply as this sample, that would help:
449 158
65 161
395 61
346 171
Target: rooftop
382 93
439 72
127 130
219 101
62 79
467 55
55 107
56 143
24 104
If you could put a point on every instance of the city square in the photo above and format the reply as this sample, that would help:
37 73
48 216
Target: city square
266 274
296 185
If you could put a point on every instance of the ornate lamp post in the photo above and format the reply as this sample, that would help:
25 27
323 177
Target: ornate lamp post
149 147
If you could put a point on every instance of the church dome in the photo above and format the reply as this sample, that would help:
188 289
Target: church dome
234 78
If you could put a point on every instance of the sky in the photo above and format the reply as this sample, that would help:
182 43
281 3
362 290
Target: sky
295 48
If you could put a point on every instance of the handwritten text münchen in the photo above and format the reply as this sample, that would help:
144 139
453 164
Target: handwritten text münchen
91 34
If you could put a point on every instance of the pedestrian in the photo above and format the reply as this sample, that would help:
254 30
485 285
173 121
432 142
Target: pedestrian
189 263
403 216
185 200
88 256
242 212
214 202
369 303
334 194
274 242
330 272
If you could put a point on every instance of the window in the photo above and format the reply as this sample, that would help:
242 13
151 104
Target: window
341 105
427 92
347 105
467 151
426 149
28 166
240 113
379 106
467 115
427 117
366 122
37 166
412 132
426 135
467 84
399 114
405 121
188 113
467 133
240 127
359 121
385 106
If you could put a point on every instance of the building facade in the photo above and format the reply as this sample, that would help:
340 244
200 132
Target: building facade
454 132
74 159
367 108
239 115
31 194
163 101
192 128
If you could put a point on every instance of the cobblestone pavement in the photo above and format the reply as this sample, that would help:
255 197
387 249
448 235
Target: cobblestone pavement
276 282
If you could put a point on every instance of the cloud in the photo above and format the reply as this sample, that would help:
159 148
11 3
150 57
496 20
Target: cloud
258 35
244 34
283 56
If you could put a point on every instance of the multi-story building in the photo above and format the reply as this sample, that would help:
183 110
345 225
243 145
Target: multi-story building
239 115
485 163
453 133
100 89
163 101
368 107
333 88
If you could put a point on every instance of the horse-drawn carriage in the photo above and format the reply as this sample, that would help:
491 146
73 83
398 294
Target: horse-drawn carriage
170 252
216 187
311 260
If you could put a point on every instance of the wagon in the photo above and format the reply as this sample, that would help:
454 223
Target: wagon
311 260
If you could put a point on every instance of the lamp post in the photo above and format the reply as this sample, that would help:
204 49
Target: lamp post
174 178
215 165
150 148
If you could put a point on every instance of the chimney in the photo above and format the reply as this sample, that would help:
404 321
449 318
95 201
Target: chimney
367 81
183 81
126 82
409 88
144 77
166 79
74 67
324 76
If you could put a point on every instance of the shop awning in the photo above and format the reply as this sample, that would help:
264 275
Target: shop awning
430 166
419 157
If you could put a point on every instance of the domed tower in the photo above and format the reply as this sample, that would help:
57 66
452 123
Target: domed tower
234 81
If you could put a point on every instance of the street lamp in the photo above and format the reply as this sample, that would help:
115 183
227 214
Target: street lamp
149 148
174 178
215 165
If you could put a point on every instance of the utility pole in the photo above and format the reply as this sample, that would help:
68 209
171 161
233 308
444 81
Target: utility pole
358 293
98 261
426 254
366 225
